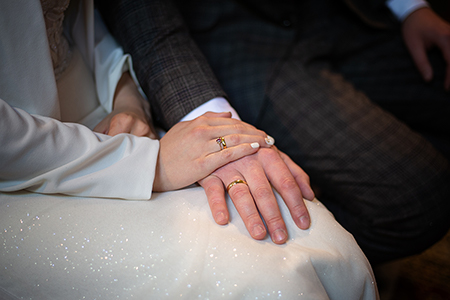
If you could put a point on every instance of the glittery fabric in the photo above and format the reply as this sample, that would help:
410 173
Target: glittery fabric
58 247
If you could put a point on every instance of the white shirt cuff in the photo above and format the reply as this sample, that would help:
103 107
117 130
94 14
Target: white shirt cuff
217 104
403 8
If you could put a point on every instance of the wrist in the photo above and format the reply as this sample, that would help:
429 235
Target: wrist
127 96
126 92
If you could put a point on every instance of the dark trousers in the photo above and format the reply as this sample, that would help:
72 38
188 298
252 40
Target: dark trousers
346 103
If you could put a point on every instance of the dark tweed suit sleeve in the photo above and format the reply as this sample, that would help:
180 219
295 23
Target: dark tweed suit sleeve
373 12
170 68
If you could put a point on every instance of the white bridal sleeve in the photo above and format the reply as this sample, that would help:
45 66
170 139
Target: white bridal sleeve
44 155
110 62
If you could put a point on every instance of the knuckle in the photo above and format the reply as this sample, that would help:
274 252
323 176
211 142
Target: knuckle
239 127
122 118
203 165
269 154
199 131
261 133
262 193
143 130
214 199
226 154
298 211
209 183
274 221
288 183
200 120
272 154
238 191
251 163
235 139
253 217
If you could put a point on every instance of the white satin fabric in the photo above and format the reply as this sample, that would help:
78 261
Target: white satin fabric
60 247
40 150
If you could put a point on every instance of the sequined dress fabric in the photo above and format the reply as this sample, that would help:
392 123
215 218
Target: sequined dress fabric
170 248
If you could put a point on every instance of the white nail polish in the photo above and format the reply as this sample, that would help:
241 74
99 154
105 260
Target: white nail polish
270 140
254 145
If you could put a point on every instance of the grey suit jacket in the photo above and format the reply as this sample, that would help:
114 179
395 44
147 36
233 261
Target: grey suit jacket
171 69
373 12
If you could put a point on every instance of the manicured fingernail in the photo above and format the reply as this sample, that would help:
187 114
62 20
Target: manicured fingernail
270 140
254 145
221 219
279 236
304 222
258 231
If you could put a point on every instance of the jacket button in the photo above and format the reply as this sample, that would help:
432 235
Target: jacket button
287 23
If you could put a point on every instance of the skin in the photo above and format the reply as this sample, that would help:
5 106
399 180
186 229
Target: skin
261 168
131 112
214 169
189 151
422 30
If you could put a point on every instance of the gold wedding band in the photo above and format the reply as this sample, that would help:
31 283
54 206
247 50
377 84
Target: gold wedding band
233 183
221 142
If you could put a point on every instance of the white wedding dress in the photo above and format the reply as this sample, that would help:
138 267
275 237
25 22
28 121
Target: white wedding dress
41 154
64 237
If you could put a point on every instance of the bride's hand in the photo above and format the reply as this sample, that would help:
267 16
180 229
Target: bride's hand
189 151
131 112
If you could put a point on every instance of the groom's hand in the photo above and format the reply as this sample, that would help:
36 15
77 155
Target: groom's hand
422 30
262 170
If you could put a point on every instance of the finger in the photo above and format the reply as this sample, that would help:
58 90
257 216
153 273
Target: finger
103 126
218 159
261 138
266 202
421 60
140 128
419 55
120 123
215 193
283 181
300 177
243 201
234 140
232 132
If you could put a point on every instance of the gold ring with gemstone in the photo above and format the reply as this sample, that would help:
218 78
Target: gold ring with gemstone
221 142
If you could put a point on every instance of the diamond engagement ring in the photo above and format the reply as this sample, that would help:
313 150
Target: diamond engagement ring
221 142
